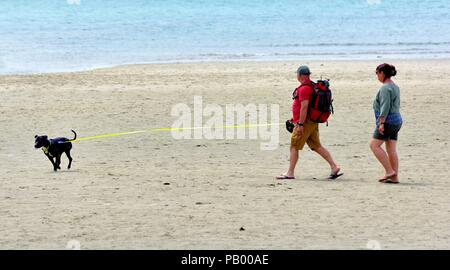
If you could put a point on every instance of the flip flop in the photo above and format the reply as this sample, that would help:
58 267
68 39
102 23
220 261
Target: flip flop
384 179
284 177
390 181
335 175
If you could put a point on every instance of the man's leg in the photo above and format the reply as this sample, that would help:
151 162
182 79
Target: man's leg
292 161
297 144
323 152
314 144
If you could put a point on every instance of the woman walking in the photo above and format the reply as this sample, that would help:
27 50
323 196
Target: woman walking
388 123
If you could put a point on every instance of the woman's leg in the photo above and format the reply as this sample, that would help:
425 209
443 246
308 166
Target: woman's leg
380 154
393 157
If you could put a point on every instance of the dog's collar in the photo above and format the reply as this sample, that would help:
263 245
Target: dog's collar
45 149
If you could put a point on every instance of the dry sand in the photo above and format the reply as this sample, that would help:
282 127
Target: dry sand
115 197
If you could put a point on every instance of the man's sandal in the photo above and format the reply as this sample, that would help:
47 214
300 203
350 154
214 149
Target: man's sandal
390 181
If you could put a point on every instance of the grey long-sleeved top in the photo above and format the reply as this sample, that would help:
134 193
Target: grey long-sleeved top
387 100
387 104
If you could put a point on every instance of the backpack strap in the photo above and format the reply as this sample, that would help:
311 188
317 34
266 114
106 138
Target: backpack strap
294 94
310 83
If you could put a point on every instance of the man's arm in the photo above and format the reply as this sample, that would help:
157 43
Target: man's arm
302 118
303 111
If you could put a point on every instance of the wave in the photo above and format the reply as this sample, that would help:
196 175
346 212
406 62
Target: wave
234 55
294 56
355 44
363 53
224 56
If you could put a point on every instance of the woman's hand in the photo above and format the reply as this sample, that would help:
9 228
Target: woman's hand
381 128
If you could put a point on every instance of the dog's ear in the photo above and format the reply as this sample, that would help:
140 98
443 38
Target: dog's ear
35 136
45 136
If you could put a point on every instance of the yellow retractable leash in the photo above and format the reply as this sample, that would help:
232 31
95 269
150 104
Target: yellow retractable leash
163 129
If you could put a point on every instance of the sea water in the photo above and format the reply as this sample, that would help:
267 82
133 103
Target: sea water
66 35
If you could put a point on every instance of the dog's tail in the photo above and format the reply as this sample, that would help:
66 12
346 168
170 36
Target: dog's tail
74 138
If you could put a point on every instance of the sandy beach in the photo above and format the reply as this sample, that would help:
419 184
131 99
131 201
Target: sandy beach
150 191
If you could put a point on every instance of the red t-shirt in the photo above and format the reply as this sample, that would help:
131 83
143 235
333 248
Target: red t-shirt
303 92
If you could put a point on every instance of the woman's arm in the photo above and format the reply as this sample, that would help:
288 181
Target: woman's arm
385 102
385 107
381 125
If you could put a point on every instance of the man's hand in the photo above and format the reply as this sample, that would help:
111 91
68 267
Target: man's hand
300 131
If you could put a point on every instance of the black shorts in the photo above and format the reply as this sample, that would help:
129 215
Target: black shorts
390 132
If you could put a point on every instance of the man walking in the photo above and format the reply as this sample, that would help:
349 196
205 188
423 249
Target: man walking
305 130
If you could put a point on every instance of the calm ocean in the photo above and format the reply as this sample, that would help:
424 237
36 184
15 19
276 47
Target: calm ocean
66 35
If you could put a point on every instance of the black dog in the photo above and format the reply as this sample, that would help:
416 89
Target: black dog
54 148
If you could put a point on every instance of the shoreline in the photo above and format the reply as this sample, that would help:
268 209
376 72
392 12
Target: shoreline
216 61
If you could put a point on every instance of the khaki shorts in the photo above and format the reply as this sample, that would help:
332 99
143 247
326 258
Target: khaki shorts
310 136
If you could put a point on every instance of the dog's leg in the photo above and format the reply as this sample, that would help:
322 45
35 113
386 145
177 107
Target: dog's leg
70 159
53 163
58 161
